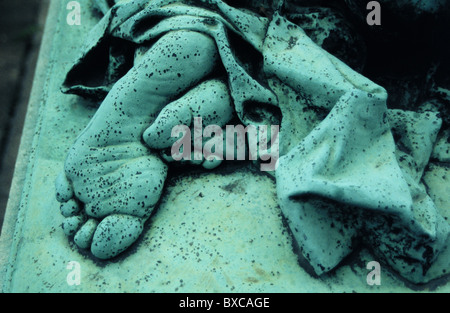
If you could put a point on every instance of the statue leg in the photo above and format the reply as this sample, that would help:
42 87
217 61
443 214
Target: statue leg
111 180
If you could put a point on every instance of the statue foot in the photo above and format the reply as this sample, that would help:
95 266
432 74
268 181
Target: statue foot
110 185
106 203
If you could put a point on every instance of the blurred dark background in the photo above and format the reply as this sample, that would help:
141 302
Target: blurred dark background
401 55
21 27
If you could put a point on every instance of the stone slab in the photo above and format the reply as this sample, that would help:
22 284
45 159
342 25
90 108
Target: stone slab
213 232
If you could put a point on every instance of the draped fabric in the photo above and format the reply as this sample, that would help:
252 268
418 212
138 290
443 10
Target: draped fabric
341 178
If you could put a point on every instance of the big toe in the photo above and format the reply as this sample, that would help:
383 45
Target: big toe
115 234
